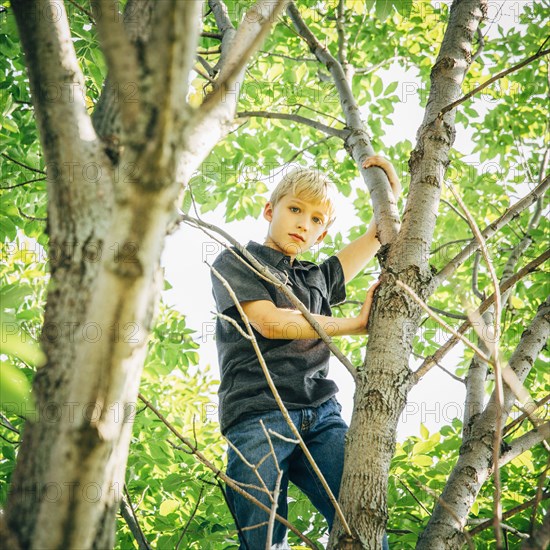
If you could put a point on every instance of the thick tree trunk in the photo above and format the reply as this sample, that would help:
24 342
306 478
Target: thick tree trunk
106 238
385 379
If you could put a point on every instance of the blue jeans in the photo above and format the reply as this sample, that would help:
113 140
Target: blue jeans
322 430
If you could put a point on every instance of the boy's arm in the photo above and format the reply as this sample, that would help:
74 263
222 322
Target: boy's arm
356 255
288 324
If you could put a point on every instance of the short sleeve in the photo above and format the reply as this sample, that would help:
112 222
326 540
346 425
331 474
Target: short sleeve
244 282
336 282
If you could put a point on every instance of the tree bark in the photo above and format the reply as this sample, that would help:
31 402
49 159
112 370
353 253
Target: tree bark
385 379
106 238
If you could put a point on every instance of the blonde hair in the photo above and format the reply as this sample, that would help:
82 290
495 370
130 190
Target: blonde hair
310 185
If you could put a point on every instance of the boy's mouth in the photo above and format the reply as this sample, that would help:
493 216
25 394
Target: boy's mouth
297 237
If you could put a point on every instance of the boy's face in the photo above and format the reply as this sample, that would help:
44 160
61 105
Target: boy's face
295 225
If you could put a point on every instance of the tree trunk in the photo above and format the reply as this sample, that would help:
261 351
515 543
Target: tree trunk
385 379
106 238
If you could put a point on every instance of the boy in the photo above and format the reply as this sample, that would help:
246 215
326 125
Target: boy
299 213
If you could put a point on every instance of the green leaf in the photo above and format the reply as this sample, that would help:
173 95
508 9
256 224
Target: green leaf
422 460
424 432
14 390
169 506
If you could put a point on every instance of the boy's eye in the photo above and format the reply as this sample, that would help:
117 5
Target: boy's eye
294 209
317 220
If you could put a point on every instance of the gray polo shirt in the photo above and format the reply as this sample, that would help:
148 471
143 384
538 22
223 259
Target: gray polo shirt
298 367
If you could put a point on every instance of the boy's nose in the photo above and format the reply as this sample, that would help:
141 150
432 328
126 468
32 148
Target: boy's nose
303 224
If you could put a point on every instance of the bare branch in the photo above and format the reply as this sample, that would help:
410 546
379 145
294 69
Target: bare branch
230 482
509 427
506 515
493 344
128 513
358 142
343 134
524 443
343 41
498 76
438 319
491 229
276 491
190 519
26 166
7 187
445 348
247 40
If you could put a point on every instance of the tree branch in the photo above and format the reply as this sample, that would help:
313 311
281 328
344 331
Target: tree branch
524 415
506 515
358 143
491 229
444 349
26 166
493 345
524 443
129 515
121 58
343 134
498 76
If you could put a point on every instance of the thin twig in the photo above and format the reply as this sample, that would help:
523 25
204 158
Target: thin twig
276 490
493 345
475 273
19 163
86 12
414 496
492 228
523 416
226 479
193 513
508 514
343 134
7 187
498 76
129 515
438 319
488 302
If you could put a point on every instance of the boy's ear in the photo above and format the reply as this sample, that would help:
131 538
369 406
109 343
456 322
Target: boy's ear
268 211
321 236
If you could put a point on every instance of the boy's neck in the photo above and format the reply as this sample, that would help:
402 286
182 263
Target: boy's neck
273 246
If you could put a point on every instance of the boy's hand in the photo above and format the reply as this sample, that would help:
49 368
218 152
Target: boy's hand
386 165
363 316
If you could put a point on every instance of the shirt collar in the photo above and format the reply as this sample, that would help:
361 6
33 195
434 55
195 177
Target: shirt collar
270 255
